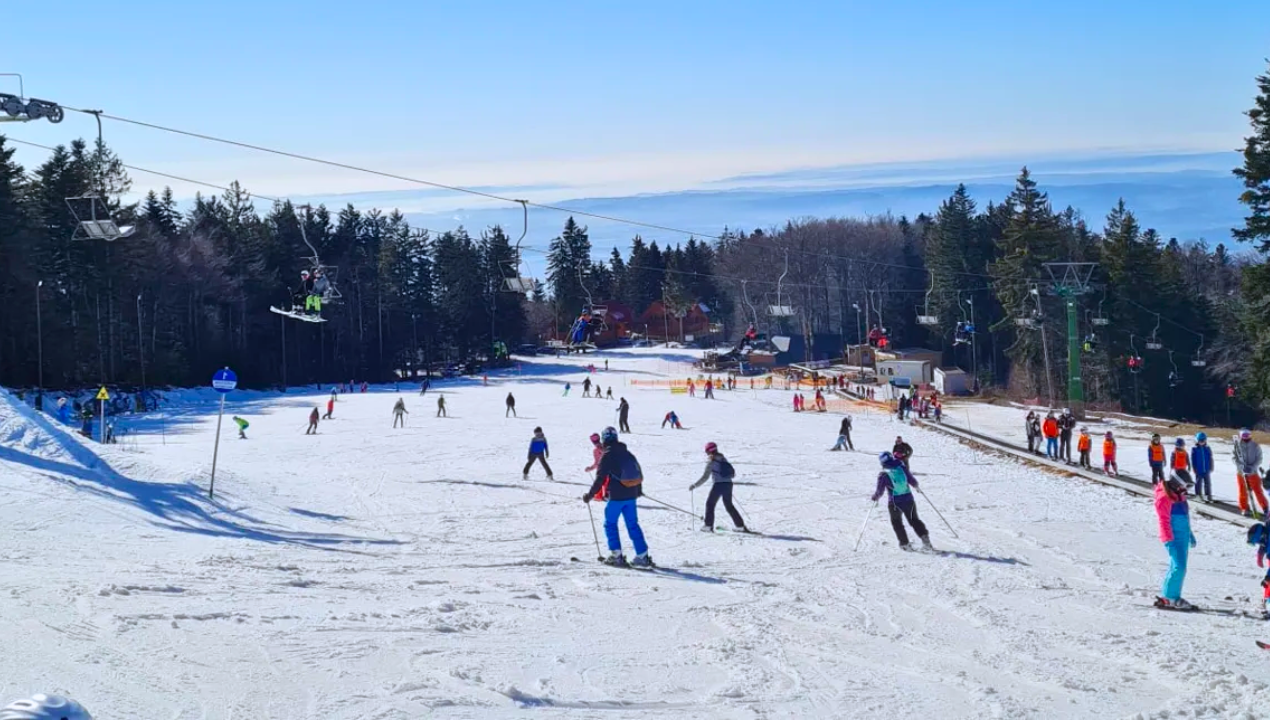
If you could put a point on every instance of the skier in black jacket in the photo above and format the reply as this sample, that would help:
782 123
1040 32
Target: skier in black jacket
619 471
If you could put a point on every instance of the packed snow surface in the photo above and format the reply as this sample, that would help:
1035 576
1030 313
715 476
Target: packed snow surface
377 573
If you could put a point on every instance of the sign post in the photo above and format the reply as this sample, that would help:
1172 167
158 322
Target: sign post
222 382
102 397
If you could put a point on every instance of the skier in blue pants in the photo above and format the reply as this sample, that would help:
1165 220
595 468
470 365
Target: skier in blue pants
1174 518
619 480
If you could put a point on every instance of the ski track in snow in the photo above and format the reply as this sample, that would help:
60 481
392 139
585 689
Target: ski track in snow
377 573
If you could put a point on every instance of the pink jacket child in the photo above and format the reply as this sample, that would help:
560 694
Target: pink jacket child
1174 517
597 451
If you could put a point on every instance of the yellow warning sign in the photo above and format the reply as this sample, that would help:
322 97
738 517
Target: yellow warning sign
102 394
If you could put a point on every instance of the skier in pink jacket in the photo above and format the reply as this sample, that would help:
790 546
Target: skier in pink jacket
1174 517
597 451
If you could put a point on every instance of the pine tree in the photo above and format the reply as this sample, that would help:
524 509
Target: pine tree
568 259
1255 172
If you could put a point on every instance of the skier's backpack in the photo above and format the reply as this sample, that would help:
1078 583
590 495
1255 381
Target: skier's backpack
725 469
629 472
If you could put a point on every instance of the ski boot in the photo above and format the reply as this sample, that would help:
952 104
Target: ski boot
616 559
906 546
926 544
707 528
643 560
742 529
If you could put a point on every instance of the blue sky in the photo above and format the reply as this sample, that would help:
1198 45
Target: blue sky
606 97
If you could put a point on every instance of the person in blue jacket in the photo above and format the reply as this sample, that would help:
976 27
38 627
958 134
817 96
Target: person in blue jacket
1202 466
538 452
895 480
620 471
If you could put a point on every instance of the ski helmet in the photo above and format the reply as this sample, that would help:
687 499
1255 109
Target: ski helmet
1179 442
1245 434
1155 436
304 273
711 448
1201 436
886 458
608 436
1256 533
595 438
1108 435
45 707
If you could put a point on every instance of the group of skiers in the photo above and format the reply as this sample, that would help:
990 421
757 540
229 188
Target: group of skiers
800 403
586 390
924 405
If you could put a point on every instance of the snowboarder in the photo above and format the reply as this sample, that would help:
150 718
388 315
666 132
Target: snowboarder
623 411
844 435
1155 457
1084 444
242 427
511 406
567 387
1247 472
1175 532
1033 429
619 471
538 451
1049 429
902 451
597 452
330 408
586 387
1202 466
399 413
1109 466
1066 424
441 406
895 480
673 419
720 474
313 423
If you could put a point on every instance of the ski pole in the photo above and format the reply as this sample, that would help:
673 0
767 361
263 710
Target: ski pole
937 512
864 525
599 554
692 497
672 507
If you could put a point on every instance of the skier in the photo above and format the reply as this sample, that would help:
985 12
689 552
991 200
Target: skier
599 394
1155 457
1202 466
608 394
902 451
1180 459
586 387
441 406
895 480
567 387
242 427
511 406
844 436
1049 429
597 451
709 389
606 365
619 471
720 474
538 451
1247 472
313 423
1175 532
673 419
1033 431
623 410
692 388
1259 535
1109 465
330 408
399 413
1083 445
1066 424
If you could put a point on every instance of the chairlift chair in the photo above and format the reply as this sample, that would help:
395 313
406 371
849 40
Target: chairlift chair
93 220
1153 342
780 310
520 283
924 316
1197 360
1099 320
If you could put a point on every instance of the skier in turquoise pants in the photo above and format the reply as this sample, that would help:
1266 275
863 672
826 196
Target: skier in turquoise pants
1175 532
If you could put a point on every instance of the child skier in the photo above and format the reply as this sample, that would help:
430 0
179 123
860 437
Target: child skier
313 423
1049 428
567 387
1179 459
242 427
586 387
441 406
1175 532
673 419
895 480
597 452
619 471
1259 535
844 435
538 451
1155 456
1202 466
1109 465
720 473
1247 472
1084 444
511 406
399 413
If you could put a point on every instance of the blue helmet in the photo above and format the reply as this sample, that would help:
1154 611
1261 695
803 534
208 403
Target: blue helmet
1179 442
1201 436
886 458
608 436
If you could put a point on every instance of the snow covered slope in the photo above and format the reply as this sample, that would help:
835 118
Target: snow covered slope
368 572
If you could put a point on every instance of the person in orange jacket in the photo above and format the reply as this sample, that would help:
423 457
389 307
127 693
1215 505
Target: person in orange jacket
1084 444
1155 457
1109 455
1049 429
